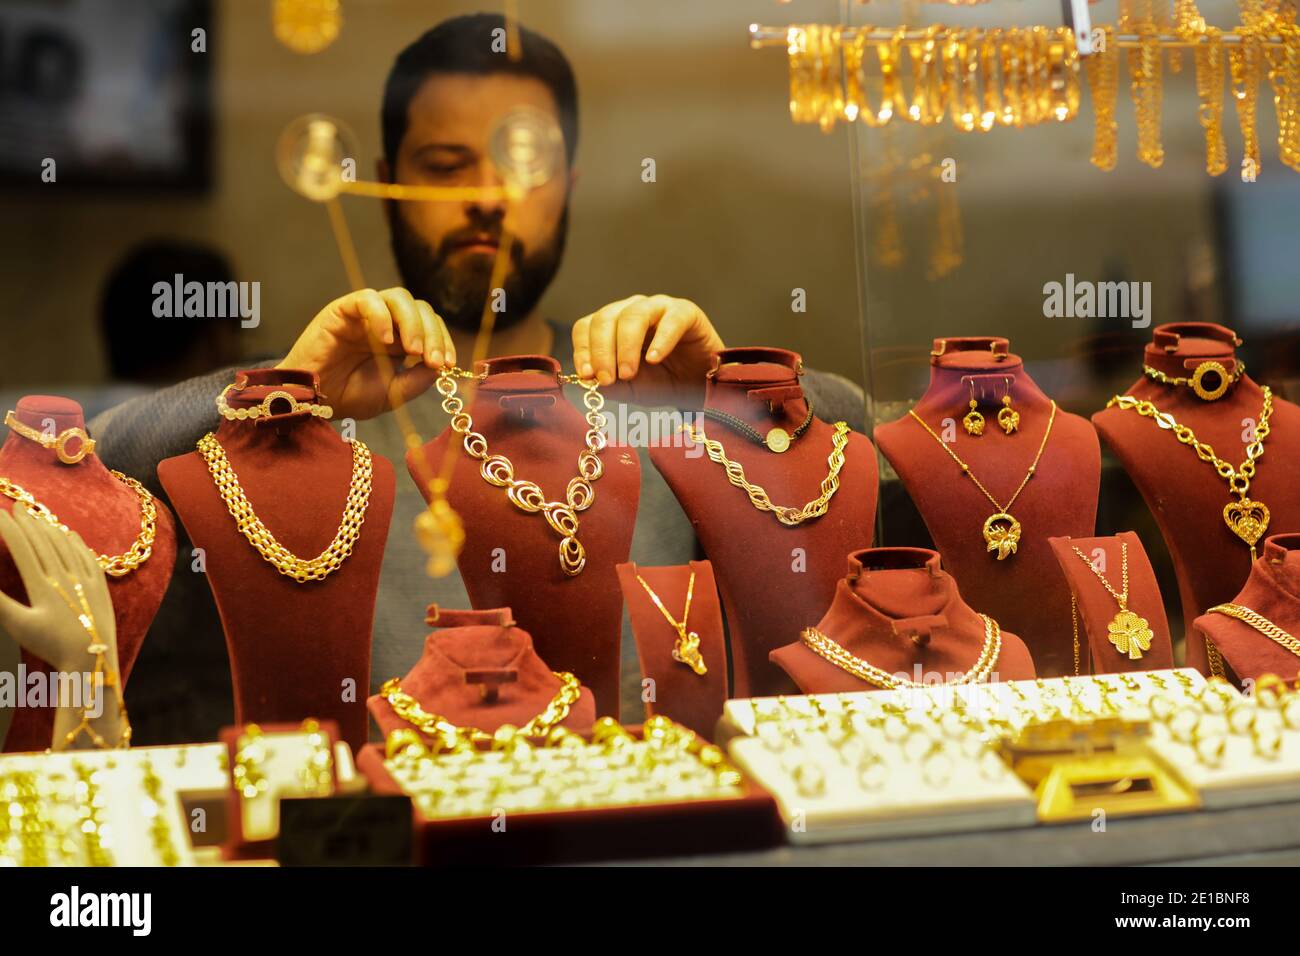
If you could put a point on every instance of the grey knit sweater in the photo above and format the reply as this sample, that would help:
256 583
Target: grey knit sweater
180 688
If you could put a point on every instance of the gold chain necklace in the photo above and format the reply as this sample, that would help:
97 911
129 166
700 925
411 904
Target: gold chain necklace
527 496
451 736
1001 529
1129 632
828 649
1245 518
271 550
1260 623
758 496
114 565
687 649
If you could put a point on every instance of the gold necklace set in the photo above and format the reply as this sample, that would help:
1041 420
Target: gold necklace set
1001 529
1129 632
826 648
687 649
527 496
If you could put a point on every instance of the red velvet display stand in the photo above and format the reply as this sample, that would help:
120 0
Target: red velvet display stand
1185 494
774 579
898 610
106 513
293 647
681 695
480 670
1272 589
511 558
1023 592
1097 608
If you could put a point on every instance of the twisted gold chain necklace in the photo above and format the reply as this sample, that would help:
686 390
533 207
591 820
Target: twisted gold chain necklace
451 736
1260 623
826 648
687 649
1001 529
758 496
114 565
260 537
527 496
1130 633
1246 518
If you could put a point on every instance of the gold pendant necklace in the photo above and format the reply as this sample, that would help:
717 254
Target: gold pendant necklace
1246 518
826 648
687 649
527 496
1128 632
114 565
451 736
1001 529
758 496
271 550
1260 623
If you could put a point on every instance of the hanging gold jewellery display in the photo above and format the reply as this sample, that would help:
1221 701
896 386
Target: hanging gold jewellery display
1001 529
1210 381
114 565
1008 417
450 736
826 648
1246 518
527 496
973 421
259 536
788 516
1103 83
1260 623
267 408
101 677
687 649
85 445
1129 632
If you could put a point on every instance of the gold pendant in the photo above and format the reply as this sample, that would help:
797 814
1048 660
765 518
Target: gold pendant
1003 540
1247 519
778 440
1131 634
687 651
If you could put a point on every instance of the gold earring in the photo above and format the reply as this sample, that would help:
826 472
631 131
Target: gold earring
973 421
1008 417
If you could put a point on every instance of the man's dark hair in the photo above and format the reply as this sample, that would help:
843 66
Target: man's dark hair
465 45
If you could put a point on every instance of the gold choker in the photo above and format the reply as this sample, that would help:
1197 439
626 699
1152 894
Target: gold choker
59 442
264 409
1196 381
826 648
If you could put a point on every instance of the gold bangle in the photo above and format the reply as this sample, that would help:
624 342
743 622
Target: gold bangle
264 410
58 443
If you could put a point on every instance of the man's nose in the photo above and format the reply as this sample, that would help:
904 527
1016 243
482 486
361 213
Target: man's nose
487 178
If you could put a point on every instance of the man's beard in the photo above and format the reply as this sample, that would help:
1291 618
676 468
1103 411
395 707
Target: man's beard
458 292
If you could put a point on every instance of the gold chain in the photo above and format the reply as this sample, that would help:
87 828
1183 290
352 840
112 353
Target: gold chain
450 736
1244 61
1260 623
687 649
527 496
114 565
758 496
102 677
1215 659
1129 632
1196 381
1246 519
826 648
1121 596
1074 622
1003 540
271 550
1103 83
1209 57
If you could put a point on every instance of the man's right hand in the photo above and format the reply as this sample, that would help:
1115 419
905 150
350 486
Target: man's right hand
340 342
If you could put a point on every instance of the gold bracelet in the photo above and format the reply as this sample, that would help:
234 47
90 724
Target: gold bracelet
1210 72
59 443
264 410
1148 90
1103 84
1196 381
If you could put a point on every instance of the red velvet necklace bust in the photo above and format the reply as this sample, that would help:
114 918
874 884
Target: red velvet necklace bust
296 650
773 578
899 611
480 670
1186 495
106 513
1025 591
510 557
1272 590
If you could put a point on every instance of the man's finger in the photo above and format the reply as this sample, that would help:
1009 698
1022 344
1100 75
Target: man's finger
677 320
376 322
582 344
439 348
406 315
633 324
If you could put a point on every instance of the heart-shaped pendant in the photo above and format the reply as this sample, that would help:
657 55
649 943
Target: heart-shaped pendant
1247 519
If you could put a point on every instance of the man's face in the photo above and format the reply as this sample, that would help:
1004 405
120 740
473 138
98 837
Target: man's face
445 250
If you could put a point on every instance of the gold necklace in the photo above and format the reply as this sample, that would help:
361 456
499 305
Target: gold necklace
527 496
102 677
58 443
758 496
1245 518
1260 623
828 649
1003 540
114 565
266 408
450 736
271 550
1129 632
687 649
1196 381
